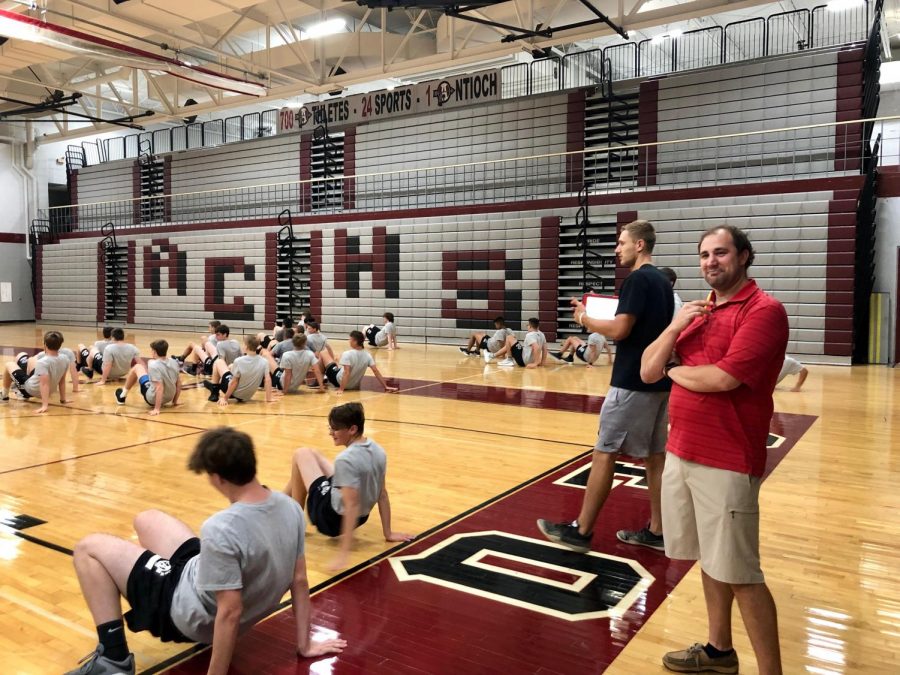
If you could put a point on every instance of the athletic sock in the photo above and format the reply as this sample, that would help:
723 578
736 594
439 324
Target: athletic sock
112 637
714 653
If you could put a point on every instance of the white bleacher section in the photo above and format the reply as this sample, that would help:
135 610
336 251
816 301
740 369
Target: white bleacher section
109 182
749 97
520 127
263 161
69 282
789 231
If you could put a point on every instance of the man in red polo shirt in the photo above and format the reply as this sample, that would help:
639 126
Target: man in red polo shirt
723 356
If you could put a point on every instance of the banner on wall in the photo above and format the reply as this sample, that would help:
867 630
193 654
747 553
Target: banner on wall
444 94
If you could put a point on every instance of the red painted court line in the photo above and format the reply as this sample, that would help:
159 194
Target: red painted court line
416 626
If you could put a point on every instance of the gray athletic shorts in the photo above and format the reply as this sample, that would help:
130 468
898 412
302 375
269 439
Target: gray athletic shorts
635 423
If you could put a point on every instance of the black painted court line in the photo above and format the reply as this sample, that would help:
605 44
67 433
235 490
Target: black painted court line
197 648
99 452
45 543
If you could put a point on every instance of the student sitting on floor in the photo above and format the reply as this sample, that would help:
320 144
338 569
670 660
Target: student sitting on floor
348 372
386 336
339 498
115 362
160 382
290 374
38 377
247 374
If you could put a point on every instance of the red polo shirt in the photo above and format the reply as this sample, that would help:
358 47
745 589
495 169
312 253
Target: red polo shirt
746 337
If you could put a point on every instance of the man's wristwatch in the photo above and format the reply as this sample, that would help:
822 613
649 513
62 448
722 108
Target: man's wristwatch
669 366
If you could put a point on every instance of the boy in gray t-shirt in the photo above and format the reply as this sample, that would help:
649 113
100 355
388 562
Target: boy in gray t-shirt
316 340
247 374
532 353
38 377
290 374
386 336
481 342
209 589
215 347
348 373
339 498
159 381
114 363
586 351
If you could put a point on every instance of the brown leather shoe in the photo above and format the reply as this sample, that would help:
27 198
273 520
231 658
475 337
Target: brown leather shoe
695 660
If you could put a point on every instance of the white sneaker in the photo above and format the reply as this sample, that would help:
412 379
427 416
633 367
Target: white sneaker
506 363
487 355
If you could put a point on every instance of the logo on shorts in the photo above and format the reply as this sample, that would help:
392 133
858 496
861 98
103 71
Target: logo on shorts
325 487
162 567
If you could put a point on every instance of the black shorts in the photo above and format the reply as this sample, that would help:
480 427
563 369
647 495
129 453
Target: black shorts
516 352
319 509
581 351
276 379
208 365
484 343
371 332
97 363
151 585
331 371
20 376
22 361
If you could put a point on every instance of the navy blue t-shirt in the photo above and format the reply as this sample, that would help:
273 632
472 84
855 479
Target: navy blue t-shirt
647 295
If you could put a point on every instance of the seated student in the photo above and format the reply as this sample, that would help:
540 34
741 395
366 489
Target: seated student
277 334
247 374
282 346
209 589
793 367
295 364
159 381
37 377
219 345
70 357
348 372
99 345
386 336
588 351
532 353
339 498
114 363
482 342
316 340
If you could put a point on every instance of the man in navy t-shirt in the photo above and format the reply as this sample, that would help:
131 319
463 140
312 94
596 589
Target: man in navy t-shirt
634 417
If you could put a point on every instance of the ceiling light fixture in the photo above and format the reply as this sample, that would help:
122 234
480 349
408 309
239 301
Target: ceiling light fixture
323 28
671 35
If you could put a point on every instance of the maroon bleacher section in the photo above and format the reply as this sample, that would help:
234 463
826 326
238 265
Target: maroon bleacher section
849 106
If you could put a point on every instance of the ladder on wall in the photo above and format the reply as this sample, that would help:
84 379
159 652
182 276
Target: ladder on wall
293 264
610 121
153 184
114 261
326 162
587 261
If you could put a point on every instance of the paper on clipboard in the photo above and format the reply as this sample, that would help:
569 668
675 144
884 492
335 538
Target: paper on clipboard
600 306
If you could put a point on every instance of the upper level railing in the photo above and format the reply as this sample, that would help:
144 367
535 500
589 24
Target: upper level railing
811 151
782 33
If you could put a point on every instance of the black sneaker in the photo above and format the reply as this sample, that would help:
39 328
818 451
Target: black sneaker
213 389
643 537
120 396
465 351
566 534
87 372
557 355
570 358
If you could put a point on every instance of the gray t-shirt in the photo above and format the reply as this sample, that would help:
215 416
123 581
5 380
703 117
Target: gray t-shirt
54 366
597 342
228 350
279 350
251 547
101 345
119 355
315 342
65 352
381 337
358 360
498 339
298 361
250 370
164 371
361 466
534 337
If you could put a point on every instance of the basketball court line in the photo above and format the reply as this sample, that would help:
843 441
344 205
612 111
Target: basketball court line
44 614
98 452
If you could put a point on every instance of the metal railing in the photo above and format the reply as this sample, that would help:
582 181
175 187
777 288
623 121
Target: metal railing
778 154
782 33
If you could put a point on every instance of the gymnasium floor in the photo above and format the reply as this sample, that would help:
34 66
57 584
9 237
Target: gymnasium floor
460 437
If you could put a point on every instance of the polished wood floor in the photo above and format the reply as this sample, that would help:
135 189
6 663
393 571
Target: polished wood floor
831 510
